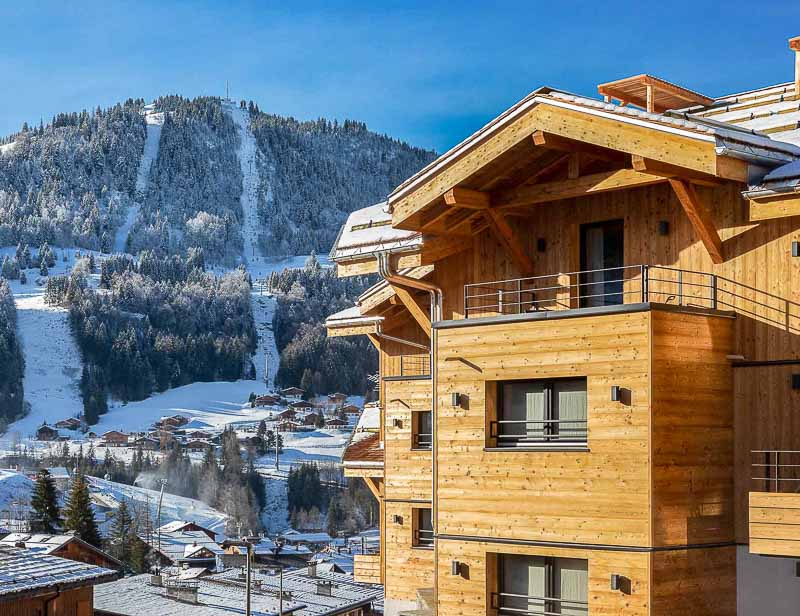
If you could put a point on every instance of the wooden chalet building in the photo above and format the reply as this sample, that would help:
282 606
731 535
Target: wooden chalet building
46 433
36 584
115 438
606 292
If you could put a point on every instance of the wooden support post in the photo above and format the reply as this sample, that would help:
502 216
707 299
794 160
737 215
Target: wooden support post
665 170
503 231
375 485
574 166
375 341
419 314
700 218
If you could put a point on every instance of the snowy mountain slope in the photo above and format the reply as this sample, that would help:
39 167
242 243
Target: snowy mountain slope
154 121
247 160
52 360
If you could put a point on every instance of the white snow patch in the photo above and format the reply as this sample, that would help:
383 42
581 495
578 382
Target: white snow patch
7 147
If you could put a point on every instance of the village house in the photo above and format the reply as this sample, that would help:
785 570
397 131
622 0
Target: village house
337 399
46 433
115 438
605 294
71 423
287 425
64 546
287 414
292 392
335 422
309 591
30 581
301 404
311 419
198 445
266 400
351 410
147 443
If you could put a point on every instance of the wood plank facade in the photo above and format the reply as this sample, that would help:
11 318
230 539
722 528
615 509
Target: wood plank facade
691 367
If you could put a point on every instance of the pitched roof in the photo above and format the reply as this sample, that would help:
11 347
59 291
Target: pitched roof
369 230
24 572
364 450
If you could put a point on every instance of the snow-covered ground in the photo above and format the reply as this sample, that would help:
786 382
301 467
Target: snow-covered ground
248 200
154 121
7 147
52 361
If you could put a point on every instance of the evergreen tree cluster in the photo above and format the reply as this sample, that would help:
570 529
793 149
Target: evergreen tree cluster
309 359
195 183
70 181
13 268
313 174
12 361
157 323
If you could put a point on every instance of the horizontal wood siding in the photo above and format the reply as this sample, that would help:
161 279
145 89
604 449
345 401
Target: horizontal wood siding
692 397
407 568
367 568
469 593
407 472
598 497
775 524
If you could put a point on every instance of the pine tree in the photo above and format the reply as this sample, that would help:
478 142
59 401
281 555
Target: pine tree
334 518
44 501
78 514
43 269
120 538
23 279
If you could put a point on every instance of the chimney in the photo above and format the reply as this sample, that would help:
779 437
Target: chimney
794 44
312 568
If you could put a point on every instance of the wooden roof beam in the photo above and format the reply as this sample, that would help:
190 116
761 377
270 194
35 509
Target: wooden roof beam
700 218
555 142
578 187
503 231
655 167
419 313
466 198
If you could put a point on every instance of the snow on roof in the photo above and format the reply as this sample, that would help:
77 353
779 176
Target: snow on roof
350 316
299 537
41 543
15 489
134 596
346 595
57 472
370 230
25 571
183 544
728 138
370 418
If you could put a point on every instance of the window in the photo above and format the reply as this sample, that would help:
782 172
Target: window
423 529
551 412
541 586
421 430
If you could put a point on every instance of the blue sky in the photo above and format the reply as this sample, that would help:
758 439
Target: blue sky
426 72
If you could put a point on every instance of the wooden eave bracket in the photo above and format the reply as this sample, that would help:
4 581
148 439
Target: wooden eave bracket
503 231
700 218
419 314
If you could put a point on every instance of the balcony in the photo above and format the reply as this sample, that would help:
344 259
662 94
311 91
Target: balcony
367 568
415 365
599 289
775 506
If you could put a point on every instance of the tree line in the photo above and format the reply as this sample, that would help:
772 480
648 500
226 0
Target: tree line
308 358
158 323
12 361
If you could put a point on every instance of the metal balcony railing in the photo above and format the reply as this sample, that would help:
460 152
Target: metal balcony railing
422 440
423 538
592 288
513 432
532 605
415 365
776 470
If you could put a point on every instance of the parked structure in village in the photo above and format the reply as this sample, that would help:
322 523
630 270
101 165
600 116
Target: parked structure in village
588 327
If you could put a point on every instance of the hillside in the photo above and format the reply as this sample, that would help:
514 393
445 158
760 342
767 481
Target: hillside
181 173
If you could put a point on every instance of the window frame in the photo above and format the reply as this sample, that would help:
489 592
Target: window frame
416 444
551 442
417 541
552 600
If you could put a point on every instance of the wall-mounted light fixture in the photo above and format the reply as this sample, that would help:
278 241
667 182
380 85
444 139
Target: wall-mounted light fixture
796 381
663 227
455 399
616 581
397 519
796 249
615 393
455 567
397 422
797 568
541 244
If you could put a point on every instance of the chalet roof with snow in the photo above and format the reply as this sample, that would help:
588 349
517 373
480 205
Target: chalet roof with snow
364 450
174 545
368 231
25 573
54 544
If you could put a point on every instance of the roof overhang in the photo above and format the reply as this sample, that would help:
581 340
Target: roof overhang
350 322
681 141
